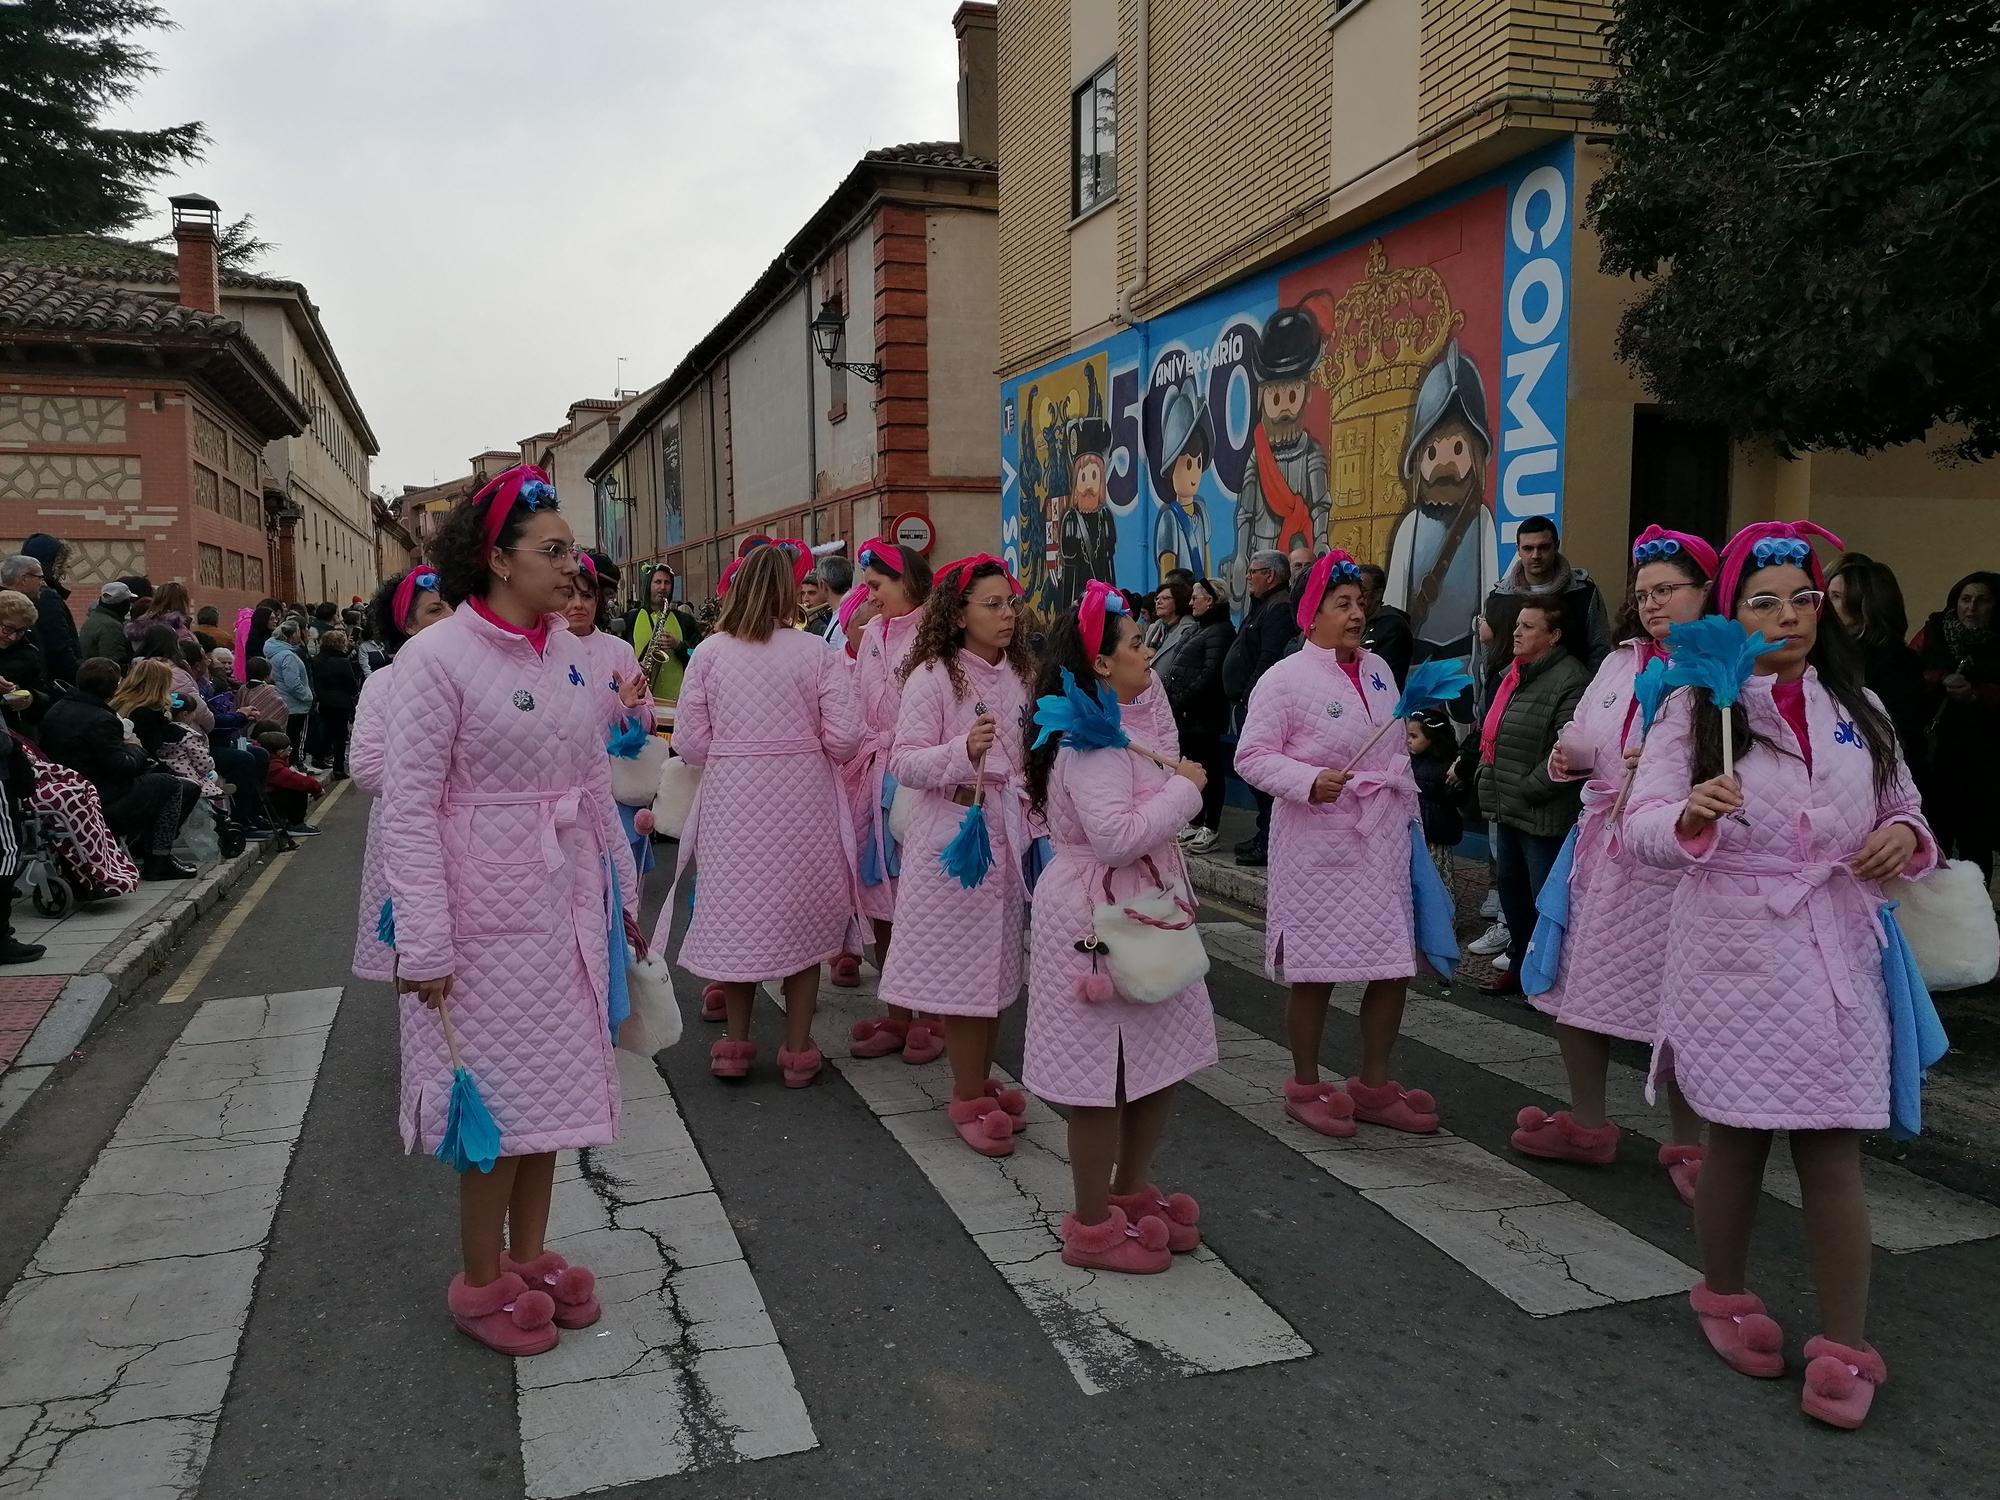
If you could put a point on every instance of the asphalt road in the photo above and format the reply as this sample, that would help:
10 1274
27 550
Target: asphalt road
926 1359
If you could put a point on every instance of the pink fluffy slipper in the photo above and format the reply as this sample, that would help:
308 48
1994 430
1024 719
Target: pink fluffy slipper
983 1125
847 971
1683 1164
800 1068
572 1288
1012 1100
1393 1106
1840 1382
878 1036
713 1006
1117 1244
727 1059
504 1315
1557 1137
1320 1106
925 1042
1740 1331
1177 1211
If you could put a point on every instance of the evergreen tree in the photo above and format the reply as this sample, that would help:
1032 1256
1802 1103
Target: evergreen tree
63 65
1810 191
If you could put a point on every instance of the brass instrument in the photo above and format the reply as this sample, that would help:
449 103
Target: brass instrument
655 648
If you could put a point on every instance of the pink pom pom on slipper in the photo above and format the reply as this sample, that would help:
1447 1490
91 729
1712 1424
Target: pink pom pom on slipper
983 1125
800 1068
1683 1164
727 1059
713 1006
1557 1137
1117 1244
1393 1107
1177 1211
1012 1100
572 1288
878 1036
504 1315
1840 1381
847 971
924 1043
1320 1106
1740 1331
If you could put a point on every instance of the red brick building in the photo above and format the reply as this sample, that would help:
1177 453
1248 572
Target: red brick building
131 428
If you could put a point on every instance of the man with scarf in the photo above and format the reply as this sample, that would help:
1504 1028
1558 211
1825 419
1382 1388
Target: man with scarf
1285 497
1540 571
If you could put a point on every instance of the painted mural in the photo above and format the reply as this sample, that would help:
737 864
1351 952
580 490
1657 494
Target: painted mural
1399 394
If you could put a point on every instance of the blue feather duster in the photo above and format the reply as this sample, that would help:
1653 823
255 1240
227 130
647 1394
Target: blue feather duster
1431 682
385 924
1650 688
1715 653
471 1137
627 739
969 855
1084 720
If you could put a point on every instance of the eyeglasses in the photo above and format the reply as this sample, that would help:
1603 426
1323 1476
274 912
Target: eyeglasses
556 553
1805 601
1660 593
1006 606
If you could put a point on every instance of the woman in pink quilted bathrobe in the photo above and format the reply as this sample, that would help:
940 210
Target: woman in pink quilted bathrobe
500 848
768 713
1112 817
1341 907
1774 1013
614 666
899 582
1607 981
958 951
401 607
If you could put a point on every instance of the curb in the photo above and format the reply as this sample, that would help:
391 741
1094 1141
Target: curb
1228 881
113 977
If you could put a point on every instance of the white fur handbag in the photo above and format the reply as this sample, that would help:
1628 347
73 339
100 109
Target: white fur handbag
1947 919
902 809
1148 943
655 1021
675 798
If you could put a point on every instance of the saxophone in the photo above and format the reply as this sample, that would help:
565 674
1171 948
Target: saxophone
655 648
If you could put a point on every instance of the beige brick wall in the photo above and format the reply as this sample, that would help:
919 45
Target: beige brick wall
1034 66
1483 60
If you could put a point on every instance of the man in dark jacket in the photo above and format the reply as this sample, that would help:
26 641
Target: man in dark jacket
1387 632
1540 571
103 632
1531 811
55 631
1267 626
145 808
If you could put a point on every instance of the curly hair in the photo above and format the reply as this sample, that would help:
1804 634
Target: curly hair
382 621
939 635
459 552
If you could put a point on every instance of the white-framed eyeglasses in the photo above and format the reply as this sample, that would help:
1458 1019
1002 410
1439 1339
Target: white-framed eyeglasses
1805 601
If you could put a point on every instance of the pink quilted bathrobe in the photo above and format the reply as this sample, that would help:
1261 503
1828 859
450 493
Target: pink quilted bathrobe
613 660
768 722
1773 1012
958 952
497 837
1108 812
1340 907
884 644
373 958
1615 951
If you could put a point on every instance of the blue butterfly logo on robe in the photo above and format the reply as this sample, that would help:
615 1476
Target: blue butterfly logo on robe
575 677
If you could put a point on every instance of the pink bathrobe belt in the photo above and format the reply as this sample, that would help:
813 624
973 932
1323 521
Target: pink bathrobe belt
558 812
1791 886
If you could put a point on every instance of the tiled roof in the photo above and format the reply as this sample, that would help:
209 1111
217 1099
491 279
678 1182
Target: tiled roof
104 257
35 299
932 154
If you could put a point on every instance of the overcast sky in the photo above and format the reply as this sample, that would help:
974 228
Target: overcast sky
492 200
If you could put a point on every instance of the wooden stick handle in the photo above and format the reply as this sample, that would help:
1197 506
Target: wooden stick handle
979 781
1348 770
450 1040
1624 791
1154 756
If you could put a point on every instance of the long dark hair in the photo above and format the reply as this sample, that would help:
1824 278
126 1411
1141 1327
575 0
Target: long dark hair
916 574
1065 650
939 635
1876 601
1629 628
1837 660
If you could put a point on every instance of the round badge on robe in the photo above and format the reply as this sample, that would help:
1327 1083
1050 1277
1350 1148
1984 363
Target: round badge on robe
1334 710
524 700
1609 699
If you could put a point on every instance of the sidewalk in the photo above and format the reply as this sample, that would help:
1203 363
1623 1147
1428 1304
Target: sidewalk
98 954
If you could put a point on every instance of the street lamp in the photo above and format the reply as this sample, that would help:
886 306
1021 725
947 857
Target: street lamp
829 332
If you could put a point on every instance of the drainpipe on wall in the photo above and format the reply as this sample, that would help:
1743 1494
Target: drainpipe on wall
812 416
1140 215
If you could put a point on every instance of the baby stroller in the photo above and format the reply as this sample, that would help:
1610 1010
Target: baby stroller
40 873
68 854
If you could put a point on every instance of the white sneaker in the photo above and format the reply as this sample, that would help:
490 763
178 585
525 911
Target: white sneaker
1493 940
1188 831
1203 841
1489 909
1502 963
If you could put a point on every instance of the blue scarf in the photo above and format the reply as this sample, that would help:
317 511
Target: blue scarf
1538 969
1435 936
1916 1036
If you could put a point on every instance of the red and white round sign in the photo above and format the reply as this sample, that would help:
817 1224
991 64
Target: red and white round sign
913 530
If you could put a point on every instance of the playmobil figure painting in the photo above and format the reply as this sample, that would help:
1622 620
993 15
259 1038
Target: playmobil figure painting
1444 560
1087 530
1180 534
1285 497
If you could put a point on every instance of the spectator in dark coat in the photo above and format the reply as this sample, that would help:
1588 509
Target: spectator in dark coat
22 669
104 628
1387 632
1268 626
1193 681
1540 571
1869 602
145 808
336 680
55 631
1960 649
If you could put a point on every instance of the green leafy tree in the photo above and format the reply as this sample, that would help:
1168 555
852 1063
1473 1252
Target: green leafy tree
64 64
1810 192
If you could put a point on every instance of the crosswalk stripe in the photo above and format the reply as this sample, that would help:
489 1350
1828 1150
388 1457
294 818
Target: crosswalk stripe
122 1332
684 1371
1112 1331
1907 1212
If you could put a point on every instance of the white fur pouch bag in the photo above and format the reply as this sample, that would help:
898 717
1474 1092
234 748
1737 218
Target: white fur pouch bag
902 808
655 1022
1150 945
671 804
1947 919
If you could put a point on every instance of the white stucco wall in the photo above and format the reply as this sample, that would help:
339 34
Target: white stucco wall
768 410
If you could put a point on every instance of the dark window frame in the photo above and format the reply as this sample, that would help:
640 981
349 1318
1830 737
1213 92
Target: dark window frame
1103 186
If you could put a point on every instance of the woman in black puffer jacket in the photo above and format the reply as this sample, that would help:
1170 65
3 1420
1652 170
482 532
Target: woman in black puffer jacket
1193 679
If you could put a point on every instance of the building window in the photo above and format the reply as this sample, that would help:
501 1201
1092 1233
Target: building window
208 565
1093 139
